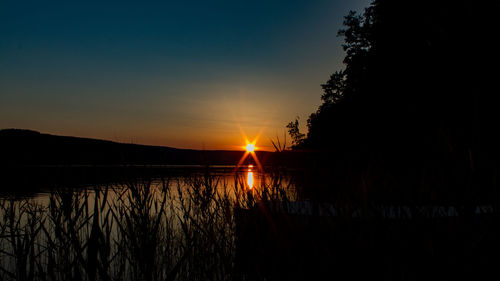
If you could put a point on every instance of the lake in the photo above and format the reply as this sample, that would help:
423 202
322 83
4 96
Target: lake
222 223
153 223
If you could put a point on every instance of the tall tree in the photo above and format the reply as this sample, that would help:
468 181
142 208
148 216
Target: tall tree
415 96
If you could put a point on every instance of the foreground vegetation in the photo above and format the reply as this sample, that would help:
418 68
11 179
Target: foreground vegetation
162 229
206 227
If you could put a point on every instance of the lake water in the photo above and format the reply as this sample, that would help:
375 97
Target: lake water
194 223
175 222
40 182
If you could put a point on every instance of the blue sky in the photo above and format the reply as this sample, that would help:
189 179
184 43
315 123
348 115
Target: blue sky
176 73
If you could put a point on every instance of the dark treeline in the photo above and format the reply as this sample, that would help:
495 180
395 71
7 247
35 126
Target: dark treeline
413 115
31 148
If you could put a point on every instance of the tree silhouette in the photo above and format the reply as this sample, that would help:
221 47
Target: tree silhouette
294 131
416 99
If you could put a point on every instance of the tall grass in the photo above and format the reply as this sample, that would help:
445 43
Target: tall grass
204 227
146 229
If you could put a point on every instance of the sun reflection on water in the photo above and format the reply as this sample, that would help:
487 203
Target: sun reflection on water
250 177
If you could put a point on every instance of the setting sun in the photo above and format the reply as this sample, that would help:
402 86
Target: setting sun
250 147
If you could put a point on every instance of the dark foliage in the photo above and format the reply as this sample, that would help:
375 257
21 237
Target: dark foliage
415 105
297 136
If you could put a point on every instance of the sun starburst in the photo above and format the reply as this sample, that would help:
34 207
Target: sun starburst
250 149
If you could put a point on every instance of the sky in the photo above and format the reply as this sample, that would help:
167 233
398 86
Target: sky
186 74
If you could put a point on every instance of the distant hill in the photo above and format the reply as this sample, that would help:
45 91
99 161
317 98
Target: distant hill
27 148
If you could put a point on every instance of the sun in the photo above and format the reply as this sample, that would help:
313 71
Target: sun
250 150
250 147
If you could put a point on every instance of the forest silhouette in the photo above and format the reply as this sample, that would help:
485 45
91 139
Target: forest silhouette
413 114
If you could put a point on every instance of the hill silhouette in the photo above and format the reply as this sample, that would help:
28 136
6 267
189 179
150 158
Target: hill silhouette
30 148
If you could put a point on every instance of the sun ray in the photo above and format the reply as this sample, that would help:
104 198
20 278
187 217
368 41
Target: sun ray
245 138
258 136
242 159
254 156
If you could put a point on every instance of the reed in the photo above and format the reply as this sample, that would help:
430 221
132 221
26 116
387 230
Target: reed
203 227
146 229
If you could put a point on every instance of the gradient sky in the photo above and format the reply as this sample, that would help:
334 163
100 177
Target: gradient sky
176 73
